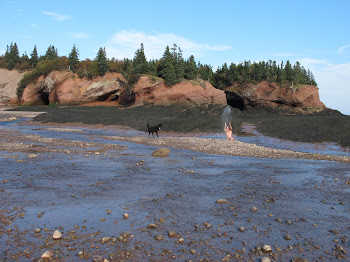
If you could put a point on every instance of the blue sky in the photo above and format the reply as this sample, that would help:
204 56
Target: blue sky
315 33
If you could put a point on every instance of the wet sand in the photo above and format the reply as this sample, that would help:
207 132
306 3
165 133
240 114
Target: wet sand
82 182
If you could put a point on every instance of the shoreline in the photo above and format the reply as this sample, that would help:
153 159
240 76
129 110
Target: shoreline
225 147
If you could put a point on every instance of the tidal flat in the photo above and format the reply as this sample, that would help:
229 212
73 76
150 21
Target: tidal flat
111 199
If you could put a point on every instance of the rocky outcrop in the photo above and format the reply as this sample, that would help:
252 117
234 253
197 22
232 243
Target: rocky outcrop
8 84
303 98
152 90
68 88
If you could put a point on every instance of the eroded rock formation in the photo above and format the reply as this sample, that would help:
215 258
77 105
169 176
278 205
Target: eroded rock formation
304 98
152 90
68 88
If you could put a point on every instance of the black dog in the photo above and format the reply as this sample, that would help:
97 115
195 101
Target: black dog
152 129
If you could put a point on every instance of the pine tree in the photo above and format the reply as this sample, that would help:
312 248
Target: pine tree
101 59
191 69
166 69
180 65
140 64
73 59
288 71
24 58
12 56
51 53
33 61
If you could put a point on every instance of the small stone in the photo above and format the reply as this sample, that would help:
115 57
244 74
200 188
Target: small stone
47 254
32 156
266 248
181 240
287 237
57 235
152 226
265 259
254 209
97 258
105 240
158 237
37 231
126 215
221 201
241 229
171 233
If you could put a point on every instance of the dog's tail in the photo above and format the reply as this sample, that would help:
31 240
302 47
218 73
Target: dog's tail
148 126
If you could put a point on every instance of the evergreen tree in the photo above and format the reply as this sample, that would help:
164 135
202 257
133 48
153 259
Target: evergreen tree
51 53
191 69
288 72
12 56
24 58
180 65
33 61
166 69
73 59
140 64
101 59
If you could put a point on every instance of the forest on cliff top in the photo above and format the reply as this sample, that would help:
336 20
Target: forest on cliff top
172 67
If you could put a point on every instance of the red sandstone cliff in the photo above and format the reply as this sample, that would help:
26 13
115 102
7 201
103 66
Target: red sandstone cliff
303 98
152 90
67 88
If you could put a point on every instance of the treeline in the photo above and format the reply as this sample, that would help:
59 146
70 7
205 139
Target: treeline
270 71
172 67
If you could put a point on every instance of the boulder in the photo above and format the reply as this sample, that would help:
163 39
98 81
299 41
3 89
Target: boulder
161 152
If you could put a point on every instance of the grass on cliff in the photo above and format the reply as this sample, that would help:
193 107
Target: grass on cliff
328 126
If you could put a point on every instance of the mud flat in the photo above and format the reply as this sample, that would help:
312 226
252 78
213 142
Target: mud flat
113 201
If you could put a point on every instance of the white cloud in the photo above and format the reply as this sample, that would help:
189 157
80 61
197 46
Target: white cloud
125 43
333 82
55 16
80 35
342 49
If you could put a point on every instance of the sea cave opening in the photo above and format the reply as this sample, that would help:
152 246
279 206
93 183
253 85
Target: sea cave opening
235 101
44 97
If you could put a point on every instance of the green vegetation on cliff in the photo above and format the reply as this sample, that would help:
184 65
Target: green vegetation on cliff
172 67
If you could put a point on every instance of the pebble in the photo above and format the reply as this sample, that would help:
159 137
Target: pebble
37 231
171 233
152 226
181 240
126 215
47 254
266 248
221 201
254 209
287 237
241 229
265 259
57 235
158 237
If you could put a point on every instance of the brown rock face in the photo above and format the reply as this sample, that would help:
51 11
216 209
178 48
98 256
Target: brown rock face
271 95
153 91
9 80
68 88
